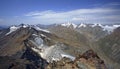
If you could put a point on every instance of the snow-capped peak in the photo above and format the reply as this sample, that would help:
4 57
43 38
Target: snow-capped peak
12 29
24 25
68 24
109 28
97 24
81 25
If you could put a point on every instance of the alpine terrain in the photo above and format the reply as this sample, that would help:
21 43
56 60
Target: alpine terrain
60 46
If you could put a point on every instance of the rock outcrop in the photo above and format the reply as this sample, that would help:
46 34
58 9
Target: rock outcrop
88 60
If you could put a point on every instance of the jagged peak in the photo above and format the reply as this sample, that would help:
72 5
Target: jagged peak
68 24
106 27
82 25
96 24
24 25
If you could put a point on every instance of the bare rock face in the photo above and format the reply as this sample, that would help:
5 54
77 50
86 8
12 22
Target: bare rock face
70 36
15 54
13 43
65 63
88 60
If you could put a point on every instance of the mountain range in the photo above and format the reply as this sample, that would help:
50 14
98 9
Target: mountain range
60 46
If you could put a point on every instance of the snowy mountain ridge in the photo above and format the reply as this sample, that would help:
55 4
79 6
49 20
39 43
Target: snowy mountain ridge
14 28
68 24
109 28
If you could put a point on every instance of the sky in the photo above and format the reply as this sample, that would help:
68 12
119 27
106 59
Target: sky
15 12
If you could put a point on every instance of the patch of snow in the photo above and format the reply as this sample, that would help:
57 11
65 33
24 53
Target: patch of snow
110 28
25 26
68 56
106 27
12 29
116 26
74 25
51 53
37 28
42 35
69 24
81 25
97 24
34 35
66 24
45 53
45 36
38 41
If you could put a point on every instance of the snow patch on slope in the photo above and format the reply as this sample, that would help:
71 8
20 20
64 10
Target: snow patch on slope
34 35
42 35
37 28
50 53
25 26
68 56
38 41
12 29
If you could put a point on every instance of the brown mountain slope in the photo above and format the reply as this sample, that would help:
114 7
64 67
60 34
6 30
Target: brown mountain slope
109 49
71 38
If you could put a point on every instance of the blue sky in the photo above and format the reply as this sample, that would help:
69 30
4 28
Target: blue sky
59 11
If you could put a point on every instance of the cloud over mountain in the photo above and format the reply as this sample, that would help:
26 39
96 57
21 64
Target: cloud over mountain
93 15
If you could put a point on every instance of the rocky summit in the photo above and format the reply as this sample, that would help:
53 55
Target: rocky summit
60 46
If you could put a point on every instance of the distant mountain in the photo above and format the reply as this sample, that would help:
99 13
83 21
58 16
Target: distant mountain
91 31
69 25
105 27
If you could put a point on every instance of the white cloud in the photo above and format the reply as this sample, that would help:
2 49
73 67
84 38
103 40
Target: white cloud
93 15
78 18
36 13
